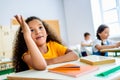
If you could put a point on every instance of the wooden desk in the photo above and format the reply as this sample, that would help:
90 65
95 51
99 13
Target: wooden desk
111 50
45 75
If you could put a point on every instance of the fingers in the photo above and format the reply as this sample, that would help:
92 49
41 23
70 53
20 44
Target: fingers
22 20
19 19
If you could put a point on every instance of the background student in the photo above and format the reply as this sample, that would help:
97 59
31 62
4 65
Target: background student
102 41
37 46
86 43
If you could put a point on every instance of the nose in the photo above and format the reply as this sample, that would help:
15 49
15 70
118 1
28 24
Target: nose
37 31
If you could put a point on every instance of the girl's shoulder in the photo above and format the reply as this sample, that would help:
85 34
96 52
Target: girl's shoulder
53 43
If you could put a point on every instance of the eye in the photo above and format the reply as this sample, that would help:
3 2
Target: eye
40 27
32 30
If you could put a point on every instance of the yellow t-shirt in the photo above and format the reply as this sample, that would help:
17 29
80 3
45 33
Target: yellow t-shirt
54 50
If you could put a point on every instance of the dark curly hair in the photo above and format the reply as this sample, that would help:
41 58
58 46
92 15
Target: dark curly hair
20 46
100 29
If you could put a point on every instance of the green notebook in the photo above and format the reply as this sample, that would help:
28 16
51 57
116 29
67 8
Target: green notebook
108 72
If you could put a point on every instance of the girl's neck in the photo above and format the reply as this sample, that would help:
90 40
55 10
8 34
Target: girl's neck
43 49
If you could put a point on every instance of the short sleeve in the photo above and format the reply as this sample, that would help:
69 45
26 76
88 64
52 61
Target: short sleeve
60 49
26 53
96 42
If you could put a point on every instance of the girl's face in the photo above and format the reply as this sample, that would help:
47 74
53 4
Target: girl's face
38 32
104 35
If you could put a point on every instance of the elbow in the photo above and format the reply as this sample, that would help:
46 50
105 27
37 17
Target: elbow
41 67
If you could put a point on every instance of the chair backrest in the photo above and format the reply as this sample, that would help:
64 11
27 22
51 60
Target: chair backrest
52 23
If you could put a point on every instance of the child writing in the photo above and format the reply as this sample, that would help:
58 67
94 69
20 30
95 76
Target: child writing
85 43
37 46
102 41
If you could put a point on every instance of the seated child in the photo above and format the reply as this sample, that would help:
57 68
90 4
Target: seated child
85 43
37 46
102 41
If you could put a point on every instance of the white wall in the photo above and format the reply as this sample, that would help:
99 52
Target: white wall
78 19
74 16
45 9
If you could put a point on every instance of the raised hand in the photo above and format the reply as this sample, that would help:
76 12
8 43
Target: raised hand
23 24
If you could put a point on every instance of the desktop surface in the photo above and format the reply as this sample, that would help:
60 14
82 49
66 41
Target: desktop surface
45 75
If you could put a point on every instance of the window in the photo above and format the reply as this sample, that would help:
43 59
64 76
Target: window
109 14
108 4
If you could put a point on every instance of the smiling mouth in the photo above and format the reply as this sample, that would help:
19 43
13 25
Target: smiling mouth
39 37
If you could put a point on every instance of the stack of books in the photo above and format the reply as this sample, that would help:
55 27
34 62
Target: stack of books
97 60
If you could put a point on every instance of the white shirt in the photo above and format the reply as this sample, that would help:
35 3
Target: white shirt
98 42
85 42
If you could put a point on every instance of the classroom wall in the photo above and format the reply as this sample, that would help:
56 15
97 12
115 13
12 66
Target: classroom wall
74 16
78 19
45 9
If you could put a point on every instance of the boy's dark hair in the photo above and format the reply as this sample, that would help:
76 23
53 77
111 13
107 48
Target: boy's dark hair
100 29
86 34
20 46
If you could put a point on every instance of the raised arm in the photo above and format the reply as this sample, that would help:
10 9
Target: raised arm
35 58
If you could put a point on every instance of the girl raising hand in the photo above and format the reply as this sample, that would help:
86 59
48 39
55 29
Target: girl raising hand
37 46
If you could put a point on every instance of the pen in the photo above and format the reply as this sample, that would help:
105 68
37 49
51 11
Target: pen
70 67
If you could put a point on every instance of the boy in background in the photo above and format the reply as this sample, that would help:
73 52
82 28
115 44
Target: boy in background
87 42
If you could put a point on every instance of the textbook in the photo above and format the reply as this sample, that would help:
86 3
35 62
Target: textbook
73 70
97 60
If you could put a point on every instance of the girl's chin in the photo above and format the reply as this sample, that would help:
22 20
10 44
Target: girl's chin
41 43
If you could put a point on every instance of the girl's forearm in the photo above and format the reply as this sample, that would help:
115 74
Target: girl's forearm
65 58
107 47
37 59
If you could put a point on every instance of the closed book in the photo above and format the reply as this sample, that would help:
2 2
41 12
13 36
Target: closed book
73 69
97 60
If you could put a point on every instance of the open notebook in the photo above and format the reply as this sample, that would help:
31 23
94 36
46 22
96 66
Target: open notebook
73 69
97 60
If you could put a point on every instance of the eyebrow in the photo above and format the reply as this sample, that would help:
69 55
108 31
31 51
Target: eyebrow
38 24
